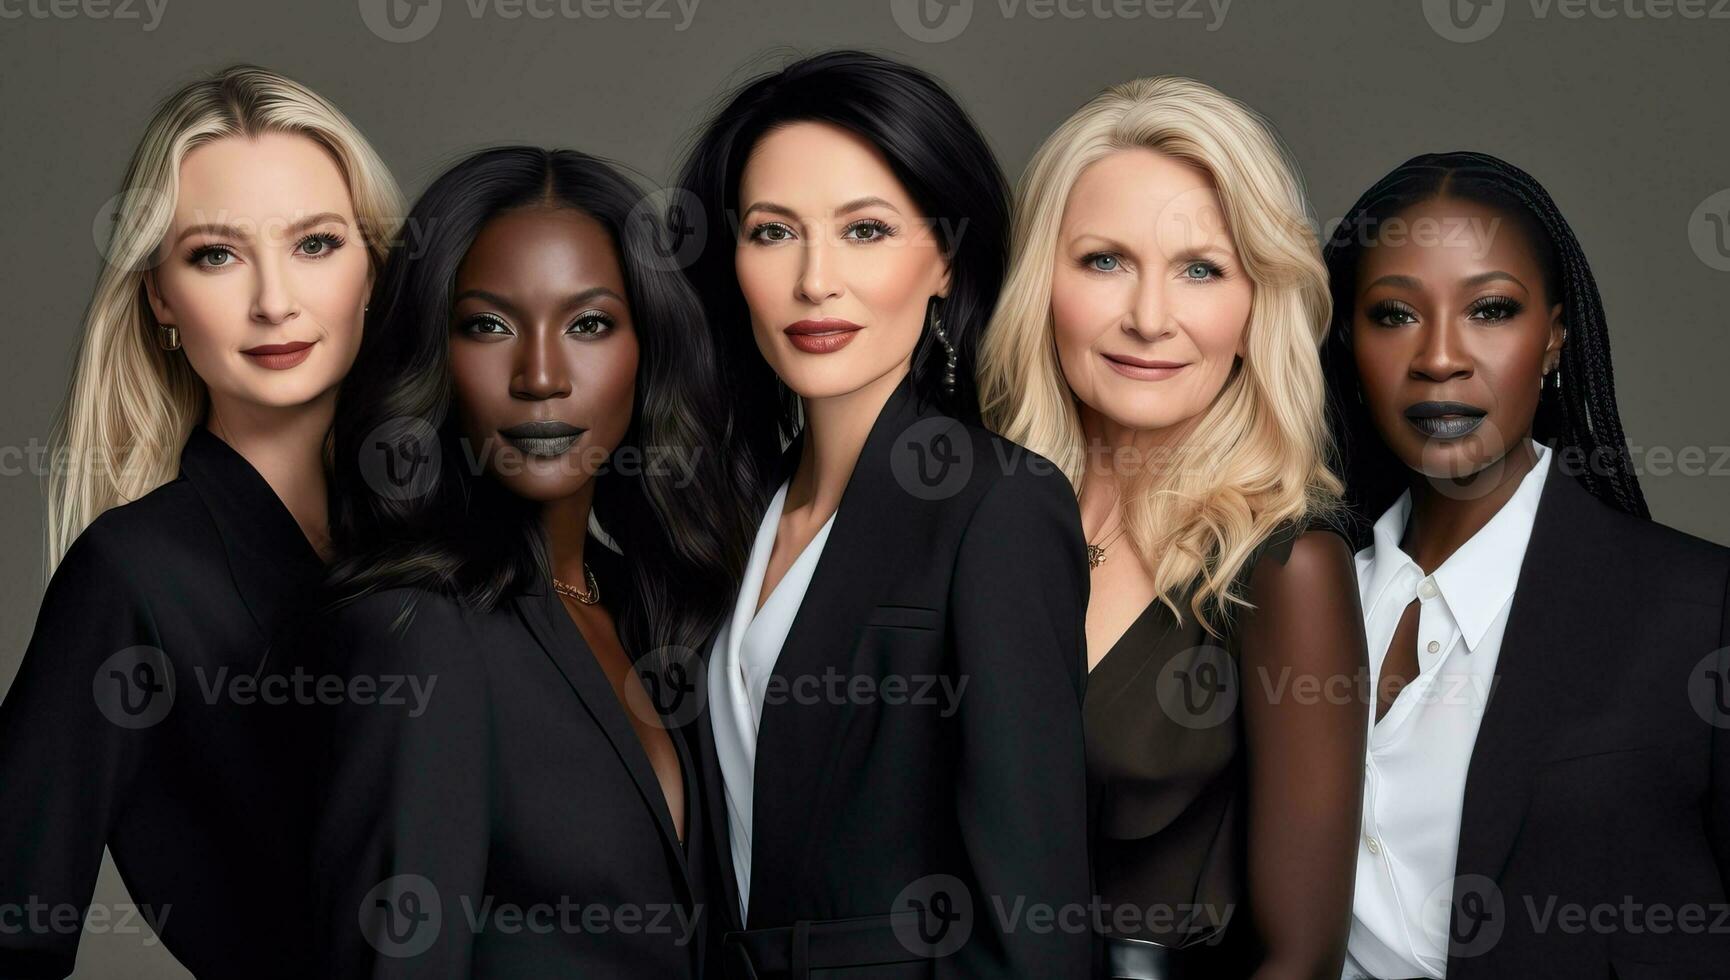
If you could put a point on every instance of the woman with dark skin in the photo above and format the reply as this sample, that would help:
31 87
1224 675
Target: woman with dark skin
1532 633
535 780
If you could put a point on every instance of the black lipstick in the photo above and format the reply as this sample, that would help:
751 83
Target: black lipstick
544 438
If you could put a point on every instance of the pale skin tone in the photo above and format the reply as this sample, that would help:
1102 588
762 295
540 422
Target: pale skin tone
1150 311
1464 317
1145 269
265 249
541 331
827 231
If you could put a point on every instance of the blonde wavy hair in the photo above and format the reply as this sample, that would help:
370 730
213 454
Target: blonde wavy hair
1259 456
131 404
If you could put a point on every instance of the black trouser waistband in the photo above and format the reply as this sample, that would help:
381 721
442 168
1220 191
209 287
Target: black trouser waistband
791 952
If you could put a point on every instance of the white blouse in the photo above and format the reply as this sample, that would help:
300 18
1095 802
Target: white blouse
1418 754
740 665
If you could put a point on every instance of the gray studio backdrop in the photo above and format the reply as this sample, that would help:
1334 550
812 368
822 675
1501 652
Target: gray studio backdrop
1616 105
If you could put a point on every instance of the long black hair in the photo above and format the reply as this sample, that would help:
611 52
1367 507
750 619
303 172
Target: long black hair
937 154
1579 420
464 534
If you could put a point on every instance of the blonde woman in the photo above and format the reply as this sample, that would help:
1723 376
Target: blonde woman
186 524
1157 339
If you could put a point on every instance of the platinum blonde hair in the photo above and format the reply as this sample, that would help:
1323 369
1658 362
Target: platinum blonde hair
1259 454
131 404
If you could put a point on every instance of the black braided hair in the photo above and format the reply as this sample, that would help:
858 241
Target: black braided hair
1580 420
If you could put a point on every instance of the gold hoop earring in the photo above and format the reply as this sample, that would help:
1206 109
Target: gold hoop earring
168 336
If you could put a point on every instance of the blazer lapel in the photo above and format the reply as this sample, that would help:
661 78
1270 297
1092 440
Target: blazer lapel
563 643
269 558
1556 630
794 741
697 826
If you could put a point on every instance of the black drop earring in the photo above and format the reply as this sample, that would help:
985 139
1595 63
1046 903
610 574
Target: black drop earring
934 319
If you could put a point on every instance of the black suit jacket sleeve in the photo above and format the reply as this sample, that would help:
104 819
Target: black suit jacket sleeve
67 757
402 841
1020 603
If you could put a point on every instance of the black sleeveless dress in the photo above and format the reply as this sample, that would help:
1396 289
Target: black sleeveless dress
1165 769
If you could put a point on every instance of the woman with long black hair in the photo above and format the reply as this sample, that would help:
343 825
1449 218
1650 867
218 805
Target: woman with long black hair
1546 748
894 703
534 375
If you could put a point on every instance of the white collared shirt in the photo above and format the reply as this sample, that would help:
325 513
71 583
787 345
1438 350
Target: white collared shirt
740 665
1415 770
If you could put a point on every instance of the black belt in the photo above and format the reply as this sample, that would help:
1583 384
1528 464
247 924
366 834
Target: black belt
791 952
1141 959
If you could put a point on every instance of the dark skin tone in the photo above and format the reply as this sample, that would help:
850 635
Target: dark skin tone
541 331
1460 315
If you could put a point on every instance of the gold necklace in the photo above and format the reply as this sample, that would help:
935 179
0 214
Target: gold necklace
587 598
1096 552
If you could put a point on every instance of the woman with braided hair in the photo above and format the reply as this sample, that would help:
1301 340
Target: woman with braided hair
1547 742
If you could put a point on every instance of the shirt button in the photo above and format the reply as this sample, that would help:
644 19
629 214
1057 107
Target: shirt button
1375 846
1433 647
1427 588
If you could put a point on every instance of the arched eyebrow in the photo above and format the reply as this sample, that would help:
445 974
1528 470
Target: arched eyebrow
233 231
857 204
1470 282
1494 275
1398 282
575 299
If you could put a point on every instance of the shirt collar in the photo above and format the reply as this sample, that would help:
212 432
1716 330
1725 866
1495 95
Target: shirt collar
1478 579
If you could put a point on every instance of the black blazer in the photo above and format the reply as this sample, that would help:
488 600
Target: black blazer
955 556
504 823
1601 771
133 724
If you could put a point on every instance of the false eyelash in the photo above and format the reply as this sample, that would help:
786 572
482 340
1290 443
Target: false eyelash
1087 261
469 324
1506 306
1387 308
603 323
1215 270
756 232
332 241
882 228
199 253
